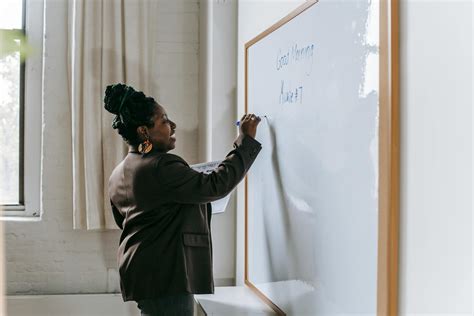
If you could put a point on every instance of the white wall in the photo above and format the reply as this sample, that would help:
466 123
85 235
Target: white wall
436 141
176 70
49 257
223 112
436 162
217 86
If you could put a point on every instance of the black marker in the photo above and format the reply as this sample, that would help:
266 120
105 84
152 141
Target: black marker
238 122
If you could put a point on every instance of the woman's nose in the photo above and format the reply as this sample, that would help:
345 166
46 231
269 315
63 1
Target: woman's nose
173 125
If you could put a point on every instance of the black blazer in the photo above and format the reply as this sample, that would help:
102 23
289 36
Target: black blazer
162 207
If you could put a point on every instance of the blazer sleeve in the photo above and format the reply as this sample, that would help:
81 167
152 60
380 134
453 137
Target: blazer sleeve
181 184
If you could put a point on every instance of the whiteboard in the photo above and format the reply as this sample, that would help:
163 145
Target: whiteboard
312 195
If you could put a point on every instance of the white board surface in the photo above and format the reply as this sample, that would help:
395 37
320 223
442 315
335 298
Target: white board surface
312 198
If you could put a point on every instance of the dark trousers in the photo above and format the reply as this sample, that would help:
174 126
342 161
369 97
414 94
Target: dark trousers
176 305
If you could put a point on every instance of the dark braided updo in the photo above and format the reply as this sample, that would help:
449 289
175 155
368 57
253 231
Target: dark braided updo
131 108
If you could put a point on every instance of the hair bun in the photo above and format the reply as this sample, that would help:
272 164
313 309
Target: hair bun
113 97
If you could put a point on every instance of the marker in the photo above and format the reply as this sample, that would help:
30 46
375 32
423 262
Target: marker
238 122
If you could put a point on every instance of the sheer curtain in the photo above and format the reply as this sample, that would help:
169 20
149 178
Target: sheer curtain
109 41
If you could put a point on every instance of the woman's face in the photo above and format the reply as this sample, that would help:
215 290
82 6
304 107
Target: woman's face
161 134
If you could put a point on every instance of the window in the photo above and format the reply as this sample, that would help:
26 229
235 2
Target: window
12 72
21 25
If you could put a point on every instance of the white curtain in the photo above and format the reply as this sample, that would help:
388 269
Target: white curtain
110 41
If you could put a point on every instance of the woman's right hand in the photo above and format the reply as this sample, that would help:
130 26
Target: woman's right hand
248 125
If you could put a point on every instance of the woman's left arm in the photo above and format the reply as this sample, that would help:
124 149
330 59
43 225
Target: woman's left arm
181 184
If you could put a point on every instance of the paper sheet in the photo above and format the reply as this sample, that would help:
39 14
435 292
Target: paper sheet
218 206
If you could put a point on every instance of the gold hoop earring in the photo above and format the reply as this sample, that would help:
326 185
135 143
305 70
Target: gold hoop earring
145 147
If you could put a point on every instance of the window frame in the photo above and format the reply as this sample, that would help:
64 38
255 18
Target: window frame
31 108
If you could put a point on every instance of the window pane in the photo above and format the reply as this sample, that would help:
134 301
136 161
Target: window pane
11 14
9 128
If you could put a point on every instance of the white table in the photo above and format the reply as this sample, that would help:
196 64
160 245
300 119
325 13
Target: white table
231 301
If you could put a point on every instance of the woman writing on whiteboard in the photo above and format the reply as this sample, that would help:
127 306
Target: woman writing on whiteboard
162 205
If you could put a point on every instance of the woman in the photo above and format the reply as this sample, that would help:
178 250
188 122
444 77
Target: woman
162 205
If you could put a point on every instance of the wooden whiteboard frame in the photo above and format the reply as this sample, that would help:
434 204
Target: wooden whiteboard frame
389 153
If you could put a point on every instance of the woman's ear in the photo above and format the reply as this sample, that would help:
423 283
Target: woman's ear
142 132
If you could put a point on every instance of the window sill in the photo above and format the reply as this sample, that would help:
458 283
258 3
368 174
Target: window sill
18 213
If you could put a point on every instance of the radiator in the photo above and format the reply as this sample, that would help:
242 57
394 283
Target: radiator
74 305
70 305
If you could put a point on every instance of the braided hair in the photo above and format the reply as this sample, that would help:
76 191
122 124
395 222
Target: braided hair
131 108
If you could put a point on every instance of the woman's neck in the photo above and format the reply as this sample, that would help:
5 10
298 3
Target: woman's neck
132 149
